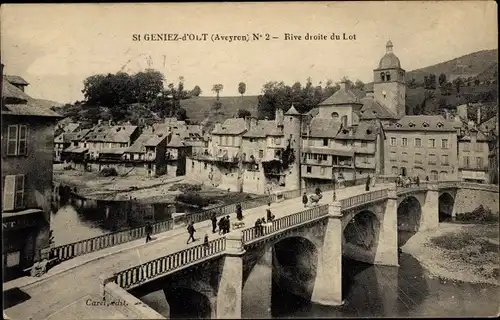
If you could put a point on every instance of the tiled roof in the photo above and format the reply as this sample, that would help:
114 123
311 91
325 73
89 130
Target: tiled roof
146 139
490 124
15 80
175 142
372 110
74 149
26 105
263 129
65 137
324 128
233 126
79 135
71 127
342 96
292 112
421 123
365 130
105 133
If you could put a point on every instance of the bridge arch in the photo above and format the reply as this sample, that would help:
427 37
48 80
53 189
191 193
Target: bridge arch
360 235
409 217
445 204
193 302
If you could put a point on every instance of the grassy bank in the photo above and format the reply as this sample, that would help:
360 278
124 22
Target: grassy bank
463 252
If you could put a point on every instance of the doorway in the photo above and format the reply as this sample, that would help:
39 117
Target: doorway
403 171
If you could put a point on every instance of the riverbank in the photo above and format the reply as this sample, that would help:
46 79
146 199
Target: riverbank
459 252
163 189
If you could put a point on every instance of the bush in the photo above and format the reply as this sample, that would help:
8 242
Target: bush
192 198
108 172
480 214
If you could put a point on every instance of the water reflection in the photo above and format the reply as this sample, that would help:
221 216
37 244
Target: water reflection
74 219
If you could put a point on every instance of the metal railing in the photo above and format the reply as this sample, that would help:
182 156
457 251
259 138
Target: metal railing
254 233
363 198
138 274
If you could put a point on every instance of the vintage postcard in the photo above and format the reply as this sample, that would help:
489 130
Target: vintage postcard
250 160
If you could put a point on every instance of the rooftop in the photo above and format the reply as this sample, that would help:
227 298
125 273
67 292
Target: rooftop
232 126
421 123
16 80
263 129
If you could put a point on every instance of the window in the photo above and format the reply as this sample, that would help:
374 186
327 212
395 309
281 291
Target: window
432 159
277 141
404 157
418 142
444 160
192 164
432 143
479 162
17 136
388 76
335 115
434 175
204 166
13 259
479 147
444 143
395 171
261 154
344 121
308 169
466 162
322 171
325 142
405 142
364 144
466 146
220 140
13 192
418 158
344 143
392 156
393 141
443 175
311 142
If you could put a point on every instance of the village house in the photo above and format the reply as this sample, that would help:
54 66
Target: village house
490 128
27 138
175 158
473 154
74 155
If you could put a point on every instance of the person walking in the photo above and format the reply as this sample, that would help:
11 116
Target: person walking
239 212
205 241
427 178
367 186
149 231
270 216
191 231
214 222
417 180
222 225
228 224
258 228
304 200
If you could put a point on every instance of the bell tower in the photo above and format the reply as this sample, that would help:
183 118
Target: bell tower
389 85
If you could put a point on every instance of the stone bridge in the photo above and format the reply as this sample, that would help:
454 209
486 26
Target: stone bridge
300 252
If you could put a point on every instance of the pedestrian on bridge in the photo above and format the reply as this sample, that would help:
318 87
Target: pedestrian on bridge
191 231
239 212
417 180
305 200
205 241
270 216
149 231
214 222
222 225
227 225
367 186
258 228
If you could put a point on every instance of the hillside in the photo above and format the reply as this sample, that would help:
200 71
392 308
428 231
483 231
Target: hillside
199 108
470 65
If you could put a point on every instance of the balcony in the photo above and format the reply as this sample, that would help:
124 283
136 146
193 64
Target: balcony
365 165
317 172
317 162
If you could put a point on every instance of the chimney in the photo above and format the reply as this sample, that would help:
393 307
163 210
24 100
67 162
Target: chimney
343 85
279 117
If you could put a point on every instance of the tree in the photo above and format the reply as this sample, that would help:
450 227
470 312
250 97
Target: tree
432 81
181 114
476 82
196 91
243 113
217 88
359 85
458 82
442 79
242 87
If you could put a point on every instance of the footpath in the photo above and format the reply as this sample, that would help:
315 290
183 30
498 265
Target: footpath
65 291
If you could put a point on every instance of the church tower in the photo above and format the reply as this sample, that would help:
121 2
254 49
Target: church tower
389 83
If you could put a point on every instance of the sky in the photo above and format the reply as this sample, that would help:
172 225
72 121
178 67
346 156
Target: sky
56 46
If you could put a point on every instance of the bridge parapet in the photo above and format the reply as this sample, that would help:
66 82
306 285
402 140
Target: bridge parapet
137 275
364 198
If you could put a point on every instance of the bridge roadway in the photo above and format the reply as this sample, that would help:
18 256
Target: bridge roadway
65 295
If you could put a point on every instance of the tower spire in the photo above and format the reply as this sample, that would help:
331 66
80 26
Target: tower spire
388 46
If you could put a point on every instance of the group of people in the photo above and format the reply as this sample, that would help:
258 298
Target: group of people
259 223
402 181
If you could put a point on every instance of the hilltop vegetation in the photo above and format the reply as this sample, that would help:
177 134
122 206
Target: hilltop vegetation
143 98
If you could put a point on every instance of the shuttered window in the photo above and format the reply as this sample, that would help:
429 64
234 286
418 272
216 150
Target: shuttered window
17 140
12 140
13 192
